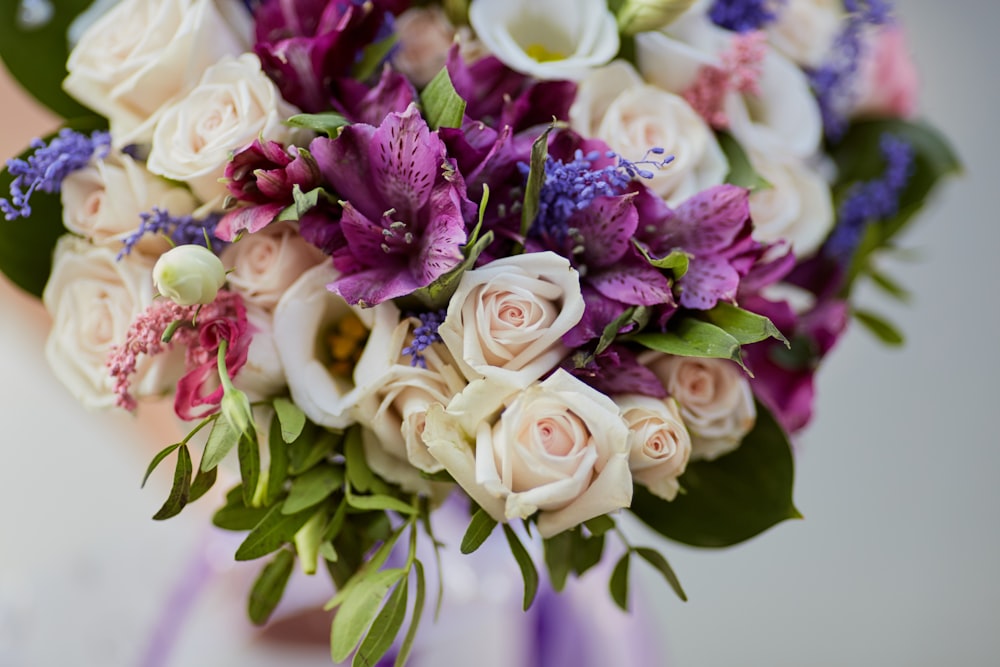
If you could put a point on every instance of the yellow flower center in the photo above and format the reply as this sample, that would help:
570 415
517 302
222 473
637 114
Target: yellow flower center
541 53
346 340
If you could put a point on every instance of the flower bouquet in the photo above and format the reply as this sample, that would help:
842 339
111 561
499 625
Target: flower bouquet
551 260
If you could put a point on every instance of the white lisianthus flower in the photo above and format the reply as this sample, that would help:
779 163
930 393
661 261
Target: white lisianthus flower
806 29
321 340
784 118
797 208
103 202
142 53
233 104
263 265
615 105
93 299
715 400
262 376
659 443
189 274
506 319
559 448
547 39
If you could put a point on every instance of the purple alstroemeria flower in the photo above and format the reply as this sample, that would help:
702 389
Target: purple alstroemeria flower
405 207
617 371
361 103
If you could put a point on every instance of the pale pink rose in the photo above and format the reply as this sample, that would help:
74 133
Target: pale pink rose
425 35
715 400
263 265
888 82
659 443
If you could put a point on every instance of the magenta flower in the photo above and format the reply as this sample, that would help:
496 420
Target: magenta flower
405 207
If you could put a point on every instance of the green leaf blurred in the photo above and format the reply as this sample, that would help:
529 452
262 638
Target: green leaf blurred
269 587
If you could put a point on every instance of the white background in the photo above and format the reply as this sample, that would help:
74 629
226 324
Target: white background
895 563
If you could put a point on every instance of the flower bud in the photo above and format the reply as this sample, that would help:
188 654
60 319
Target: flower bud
637 16
189 274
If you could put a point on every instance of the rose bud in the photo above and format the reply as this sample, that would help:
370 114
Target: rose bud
637 16
189 274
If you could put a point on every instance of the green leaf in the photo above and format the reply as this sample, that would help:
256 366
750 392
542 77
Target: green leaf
36 56
203 483
372 56
313 446
164 453
744 326
479 529
690 337
273 531
883 330
371 565
221 441
328 122
528 571
181 489
277 467
236 516
599 525
308 539
379 502
26 246
443 106
676 261
291 418
313 487
359 475
418 611
249 456
269 587
731 499
587 552
656 559
558 558
359 610
619 581
536 178
741 172
635 317
384 628
889 286
303 202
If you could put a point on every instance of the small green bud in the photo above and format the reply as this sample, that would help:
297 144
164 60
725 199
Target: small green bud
637 16
235 408
189 274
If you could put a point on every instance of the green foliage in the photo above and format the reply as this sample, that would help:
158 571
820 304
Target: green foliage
372 56
443 106
313 487
690 337
328 122
236 516
528 571
741 172
676 261
181 489
732 498
536 179
359 609
479 529
744 326
269 587
619 581
290 417
384 628
273 531
879 327
558 558
221 440
660 564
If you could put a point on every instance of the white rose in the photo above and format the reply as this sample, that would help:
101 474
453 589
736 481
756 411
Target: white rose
547 39
130 62
659 443
806 29
103 202
425 35
798 207
614 105
784 118
233 104
321 339
263 265
506 320
715 400
559 448
262 376
189 274
93 300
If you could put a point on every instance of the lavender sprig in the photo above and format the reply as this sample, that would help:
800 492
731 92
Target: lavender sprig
424 336
182 230
744 15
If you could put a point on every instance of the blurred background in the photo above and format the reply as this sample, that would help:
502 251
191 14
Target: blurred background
894 564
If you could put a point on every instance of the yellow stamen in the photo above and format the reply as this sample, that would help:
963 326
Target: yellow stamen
541 53
346 340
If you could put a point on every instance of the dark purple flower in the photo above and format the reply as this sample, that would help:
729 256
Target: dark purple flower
404 207
617 371
363 104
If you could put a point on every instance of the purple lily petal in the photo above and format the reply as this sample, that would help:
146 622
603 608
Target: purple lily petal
607 227
708 281
635 284
250 219
712 219
617 371
361 104
599 311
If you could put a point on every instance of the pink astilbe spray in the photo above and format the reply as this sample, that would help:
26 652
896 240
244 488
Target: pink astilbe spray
200 332
740 69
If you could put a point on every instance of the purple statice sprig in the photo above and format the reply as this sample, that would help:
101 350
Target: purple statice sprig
871 201
180 229
744 15
46 168
424 335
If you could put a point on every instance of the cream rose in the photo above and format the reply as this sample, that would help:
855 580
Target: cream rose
559 448
321 339
130 62
797 208
805 29
614 105
506 320
93 299
659 443
547 39
233 104
425 35
104 201
715 400
263 265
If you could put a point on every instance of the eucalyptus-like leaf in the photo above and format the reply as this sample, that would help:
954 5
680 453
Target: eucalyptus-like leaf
359 475
880 327
636 316
384 628
373 564
249 457
418 611
599 525
312 447
358 611
741 172
528 571
291 418
656 559
163 453
181 489
480 528
313 487
221 440
619 581
676 261
690 337
203 483
269 587
587 552
273 531
328 122
536 179
744 326
558 558
277 467
442 105
889 286
379 502
372 57
236 516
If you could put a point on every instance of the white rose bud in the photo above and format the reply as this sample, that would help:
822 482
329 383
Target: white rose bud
637 16
189 274
659 443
